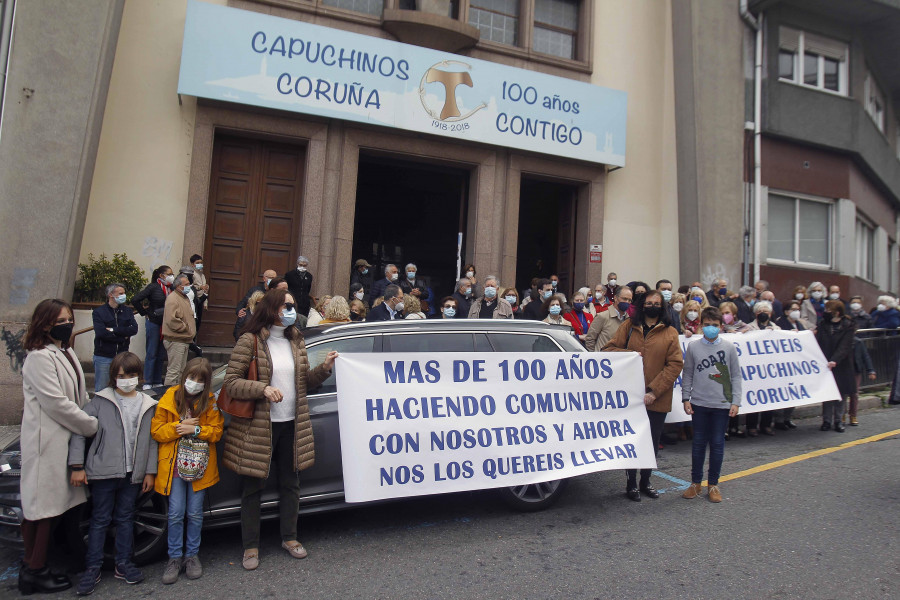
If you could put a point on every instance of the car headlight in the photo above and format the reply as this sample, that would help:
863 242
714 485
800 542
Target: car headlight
11 460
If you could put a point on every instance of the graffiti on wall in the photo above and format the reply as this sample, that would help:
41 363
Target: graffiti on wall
15 350
157 250
714 272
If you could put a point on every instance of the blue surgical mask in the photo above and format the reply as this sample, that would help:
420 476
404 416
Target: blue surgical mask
711 332
490 292
546 294
555 309
199 266
623 306
697 299
667 295
289 317
365 271
468 291
120 299
449 311
553 282
511 299
410 275
579 306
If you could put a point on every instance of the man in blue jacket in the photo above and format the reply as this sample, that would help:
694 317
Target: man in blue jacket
114 325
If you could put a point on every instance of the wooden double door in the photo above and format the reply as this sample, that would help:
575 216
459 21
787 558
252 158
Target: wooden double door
253 224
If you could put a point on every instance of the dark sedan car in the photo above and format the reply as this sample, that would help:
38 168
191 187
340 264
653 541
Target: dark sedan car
322 485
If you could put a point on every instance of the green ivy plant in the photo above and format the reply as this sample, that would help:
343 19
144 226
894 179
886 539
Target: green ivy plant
97 273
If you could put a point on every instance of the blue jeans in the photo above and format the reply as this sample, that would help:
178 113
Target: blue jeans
184 502
101 372
153 361
113 502
709 428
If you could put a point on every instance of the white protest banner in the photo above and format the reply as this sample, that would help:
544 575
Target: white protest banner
415 424
779 369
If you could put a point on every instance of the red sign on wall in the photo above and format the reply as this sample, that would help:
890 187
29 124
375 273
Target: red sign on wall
596 253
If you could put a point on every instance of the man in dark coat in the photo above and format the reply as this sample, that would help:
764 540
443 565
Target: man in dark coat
267 276
361 275
534 310
299 282
745 310
392 307
114 326
835 335
463 296
391 277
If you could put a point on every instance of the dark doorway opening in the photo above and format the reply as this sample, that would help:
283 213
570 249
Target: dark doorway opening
409 212
546 233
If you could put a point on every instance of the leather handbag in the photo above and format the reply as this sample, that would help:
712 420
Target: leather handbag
234 406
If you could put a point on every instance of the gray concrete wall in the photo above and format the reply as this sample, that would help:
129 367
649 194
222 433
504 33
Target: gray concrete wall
709 110
60 63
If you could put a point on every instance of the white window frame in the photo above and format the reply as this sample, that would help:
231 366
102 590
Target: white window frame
874 96
831 231
800 42
864 235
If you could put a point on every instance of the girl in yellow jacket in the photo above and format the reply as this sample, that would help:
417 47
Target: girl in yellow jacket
187 410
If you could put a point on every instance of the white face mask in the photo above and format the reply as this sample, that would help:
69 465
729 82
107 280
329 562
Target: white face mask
881 307
678 306
692 315
794 315
301 269
398 307
855 306
170 279
394 276
470 274
798 296
817 295
359 295
612 282
193 387
833 296
599 295
127 385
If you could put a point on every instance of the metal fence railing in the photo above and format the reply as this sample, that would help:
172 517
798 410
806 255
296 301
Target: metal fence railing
884 348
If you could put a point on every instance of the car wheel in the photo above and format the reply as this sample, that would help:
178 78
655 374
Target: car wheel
533 497
150 526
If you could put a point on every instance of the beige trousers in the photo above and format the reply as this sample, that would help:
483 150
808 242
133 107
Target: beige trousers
178 353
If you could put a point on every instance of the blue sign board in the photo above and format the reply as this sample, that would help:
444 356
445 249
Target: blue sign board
249 58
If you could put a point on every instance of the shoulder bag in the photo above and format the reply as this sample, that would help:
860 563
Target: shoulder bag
233 406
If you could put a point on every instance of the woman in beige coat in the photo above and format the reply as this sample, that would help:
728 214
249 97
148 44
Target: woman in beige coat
55 391
279 433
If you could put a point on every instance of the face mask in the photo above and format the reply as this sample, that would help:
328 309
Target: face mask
798 296
612 283
817 295
170 279
667 295
359 295
880 307
599 295
752 302
855 306
289 317
398 307
268 281
354 316
579 306
553 282
723 291
762 318
555 309
193 387
127 385
692 315
187 291
365 271
833 296
410 275
728 318
653 311
394 277
490 292
794 315
697 299
301 269
449 311
63 332
546 294
120 299
510 299
623 306
199 266
470 274
678 306
468 292
711 332
827 315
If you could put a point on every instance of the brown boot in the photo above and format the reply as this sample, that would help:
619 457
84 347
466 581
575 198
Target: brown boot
693 491
853 421
714 495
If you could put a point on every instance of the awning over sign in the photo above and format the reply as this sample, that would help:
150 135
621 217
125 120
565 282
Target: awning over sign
249 58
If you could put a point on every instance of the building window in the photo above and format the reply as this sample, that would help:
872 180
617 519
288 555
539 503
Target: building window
799 231
874 101
865 250
498 20
812 60
370 7
555 27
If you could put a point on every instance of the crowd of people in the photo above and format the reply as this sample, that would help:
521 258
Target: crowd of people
170 446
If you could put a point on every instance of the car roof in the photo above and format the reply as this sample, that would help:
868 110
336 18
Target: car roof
445 325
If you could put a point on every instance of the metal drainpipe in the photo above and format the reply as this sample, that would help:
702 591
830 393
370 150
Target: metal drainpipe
6 24
756 23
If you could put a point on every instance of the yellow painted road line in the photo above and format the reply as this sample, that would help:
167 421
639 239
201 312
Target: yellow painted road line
800 457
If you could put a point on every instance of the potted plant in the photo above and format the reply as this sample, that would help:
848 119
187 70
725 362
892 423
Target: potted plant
97 273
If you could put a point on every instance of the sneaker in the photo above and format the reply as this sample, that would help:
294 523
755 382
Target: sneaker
173 569
192 567
714 495
88 581
693 491
129 573
853 421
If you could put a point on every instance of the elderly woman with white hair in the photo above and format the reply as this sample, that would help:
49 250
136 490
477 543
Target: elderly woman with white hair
813 308
336 311
886 315
762 310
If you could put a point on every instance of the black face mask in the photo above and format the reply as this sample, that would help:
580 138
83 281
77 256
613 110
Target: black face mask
354 316
62 332
653 311
762 318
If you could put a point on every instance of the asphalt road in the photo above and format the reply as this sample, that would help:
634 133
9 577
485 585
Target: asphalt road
824 527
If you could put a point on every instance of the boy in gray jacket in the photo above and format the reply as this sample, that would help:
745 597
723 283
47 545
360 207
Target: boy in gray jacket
120 464
711 392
